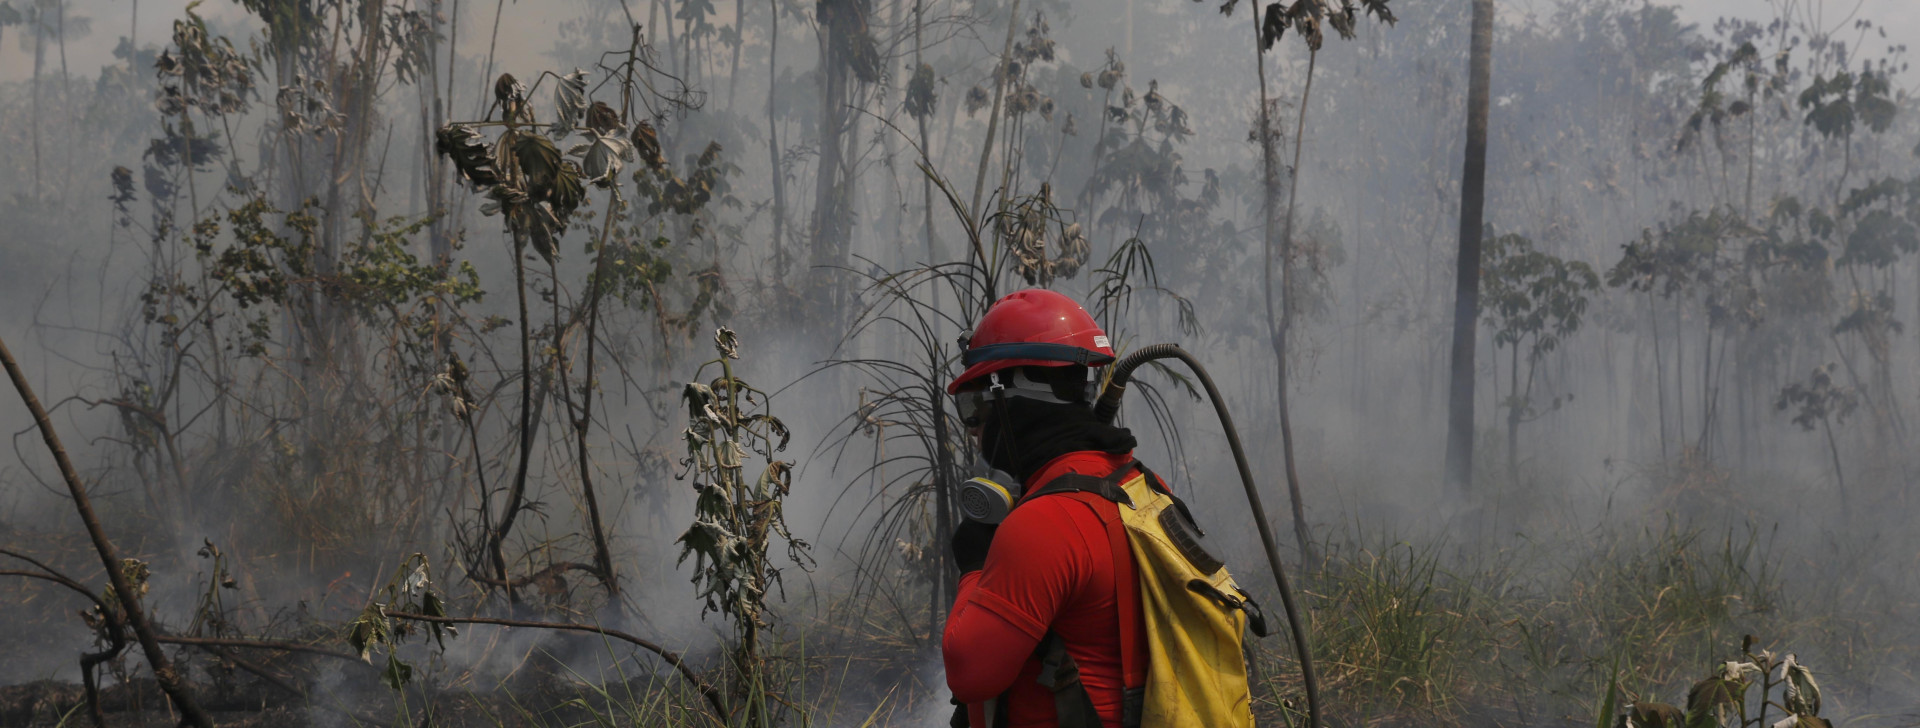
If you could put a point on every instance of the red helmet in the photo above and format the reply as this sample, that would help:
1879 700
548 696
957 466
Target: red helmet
1033 328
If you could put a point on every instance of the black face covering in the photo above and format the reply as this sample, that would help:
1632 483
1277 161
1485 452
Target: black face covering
1020 435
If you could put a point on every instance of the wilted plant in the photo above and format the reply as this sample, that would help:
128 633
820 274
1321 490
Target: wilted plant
737 519
537 188
1721 700
410 590
1043 246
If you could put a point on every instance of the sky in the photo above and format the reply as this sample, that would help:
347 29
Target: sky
111 19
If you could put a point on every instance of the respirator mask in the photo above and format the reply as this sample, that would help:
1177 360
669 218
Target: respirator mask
983 499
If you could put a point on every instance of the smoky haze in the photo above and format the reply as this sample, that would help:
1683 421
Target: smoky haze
315 300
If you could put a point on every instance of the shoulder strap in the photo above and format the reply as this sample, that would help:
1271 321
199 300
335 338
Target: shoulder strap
1107 487
1132 673
1067 697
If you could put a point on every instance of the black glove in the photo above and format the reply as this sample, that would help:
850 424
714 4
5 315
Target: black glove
970 542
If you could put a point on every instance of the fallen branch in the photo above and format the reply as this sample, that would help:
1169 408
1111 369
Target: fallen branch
712 695
163 672
215 645
212 642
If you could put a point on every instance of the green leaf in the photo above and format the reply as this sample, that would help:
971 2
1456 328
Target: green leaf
1612 698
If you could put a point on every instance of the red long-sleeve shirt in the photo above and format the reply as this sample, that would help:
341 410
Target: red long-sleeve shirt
1052 565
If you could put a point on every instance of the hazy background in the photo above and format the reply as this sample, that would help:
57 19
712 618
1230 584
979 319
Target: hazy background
1591 101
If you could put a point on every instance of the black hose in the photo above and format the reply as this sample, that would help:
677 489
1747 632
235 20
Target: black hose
1109 405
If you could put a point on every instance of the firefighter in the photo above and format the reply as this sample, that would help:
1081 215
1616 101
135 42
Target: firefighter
1051 570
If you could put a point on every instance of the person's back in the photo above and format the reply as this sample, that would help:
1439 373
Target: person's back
1051 568
1058 567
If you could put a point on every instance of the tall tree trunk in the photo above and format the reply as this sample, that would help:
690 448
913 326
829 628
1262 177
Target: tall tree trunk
1839 477
832 228
773 141
1466 288
740 31
39 60
1279 330
434 106
1659 370
894 93
1513 416
66 98
926 182
1680 379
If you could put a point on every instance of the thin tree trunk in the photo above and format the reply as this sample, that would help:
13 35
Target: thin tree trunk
1709 394
528 421
1680 378
39 60
602 555
170 680
993 118
1513 418
1752 128
891 142
498 7
673 46
948 581
832 206
453 50
740 29
439 240
1466 297
1279 331
1659 371
942 471
773 142
66 99
1839 477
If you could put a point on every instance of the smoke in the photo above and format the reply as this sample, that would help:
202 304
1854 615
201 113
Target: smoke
1658 415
